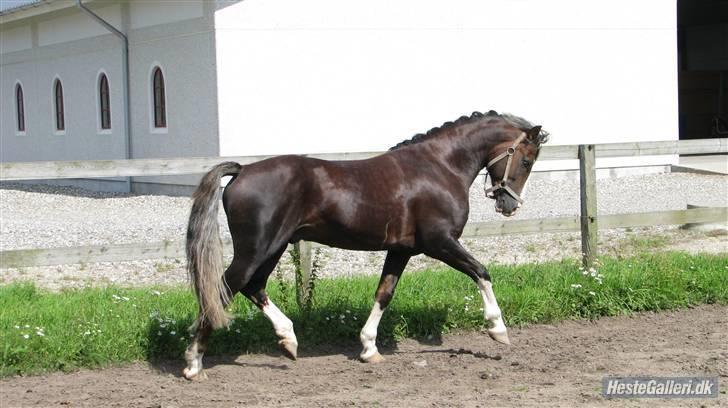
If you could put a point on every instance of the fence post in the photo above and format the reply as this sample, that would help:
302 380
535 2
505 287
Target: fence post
588 193
303 263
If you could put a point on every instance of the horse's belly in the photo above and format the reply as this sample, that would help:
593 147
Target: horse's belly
353 239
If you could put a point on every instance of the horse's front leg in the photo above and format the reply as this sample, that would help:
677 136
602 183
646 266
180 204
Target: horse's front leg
492 312
454 255
394 264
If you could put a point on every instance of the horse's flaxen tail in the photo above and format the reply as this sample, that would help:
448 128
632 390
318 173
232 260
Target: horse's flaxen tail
204 246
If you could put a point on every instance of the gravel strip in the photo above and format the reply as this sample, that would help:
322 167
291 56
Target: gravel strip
42 216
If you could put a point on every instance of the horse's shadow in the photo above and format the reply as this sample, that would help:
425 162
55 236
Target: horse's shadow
318 335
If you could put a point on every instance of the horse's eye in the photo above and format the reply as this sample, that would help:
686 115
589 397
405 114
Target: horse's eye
526 163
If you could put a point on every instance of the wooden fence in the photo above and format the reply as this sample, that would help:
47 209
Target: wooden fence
588 222
10 171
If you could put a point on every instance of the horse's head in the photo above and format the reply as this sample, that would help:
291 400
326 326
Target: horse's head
510 165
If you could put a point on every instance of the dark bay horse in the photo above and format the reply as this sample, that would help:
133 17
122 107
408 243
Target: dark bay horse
411 200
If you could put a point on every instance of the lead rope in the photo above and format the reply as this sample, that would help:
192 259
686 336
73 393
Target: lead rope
503 184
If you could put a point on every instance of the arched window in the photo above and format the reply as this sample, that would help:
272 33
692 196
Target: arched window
158 95
104 104
58 93
20 108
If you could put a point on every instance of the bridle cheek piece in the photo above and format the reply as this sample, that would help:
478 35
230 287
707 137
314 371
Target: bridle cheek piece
503 184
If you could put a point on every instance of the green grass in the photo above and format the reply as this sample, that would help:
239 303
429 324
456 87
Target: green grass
45 331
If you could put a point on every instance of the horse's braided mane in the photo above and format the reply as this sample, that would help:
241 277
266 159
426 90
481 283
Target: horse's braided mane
515 121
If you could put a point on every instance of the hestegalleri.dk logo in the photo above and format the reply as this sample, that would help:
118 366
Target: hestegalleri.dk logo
660 387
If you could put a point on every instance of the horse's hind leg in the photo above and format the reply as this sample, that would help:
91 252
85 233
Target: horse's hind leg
195 351
255 291
236 275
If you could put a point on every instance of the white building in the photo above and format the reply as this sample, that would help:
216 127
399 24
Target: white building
284 76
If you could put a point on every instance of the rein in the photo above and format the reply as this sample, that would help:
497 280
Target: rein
503 184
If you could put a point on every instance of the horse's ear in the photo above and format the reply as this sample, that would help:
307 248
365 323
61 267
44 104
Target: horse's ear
533 133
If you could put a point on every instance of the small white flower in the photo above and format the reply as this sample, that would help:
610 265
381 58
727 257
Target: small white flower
348 311
237 330
341 317
27 327
86 333
156 293
159 333
575 286
125 299
17 327
26 336
40 333
355 318
173 332
592 293
327 318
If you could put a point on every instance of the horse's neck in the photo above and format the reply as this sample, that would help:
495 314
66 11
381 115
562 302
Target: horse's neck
467 153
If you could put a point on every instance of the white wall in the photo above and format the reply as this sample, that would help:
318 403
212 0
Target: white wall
77 65
333 75
71 45
75 25
16 39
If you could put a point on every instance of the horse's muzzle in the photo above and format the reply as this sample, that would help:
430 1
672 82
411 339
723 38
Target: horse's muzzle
505 204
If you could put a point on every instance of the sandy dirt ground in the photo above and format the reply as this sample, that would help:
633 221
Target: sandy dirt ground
560 365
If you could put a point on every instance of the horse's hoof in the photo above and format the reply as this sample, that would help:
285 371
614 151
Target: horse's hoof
193 375
289 349
373 359
500 337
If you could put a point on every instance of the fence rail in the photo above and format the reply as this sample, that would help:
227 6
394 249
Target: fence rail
15 171
175 249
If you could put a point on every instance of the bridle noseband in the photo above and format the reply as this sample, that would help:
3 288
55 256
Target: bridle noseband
503 184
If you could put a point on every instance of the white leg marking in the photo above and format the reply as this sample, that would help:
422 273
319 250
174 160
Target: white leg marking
492 312
194 361
282 325
368 335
